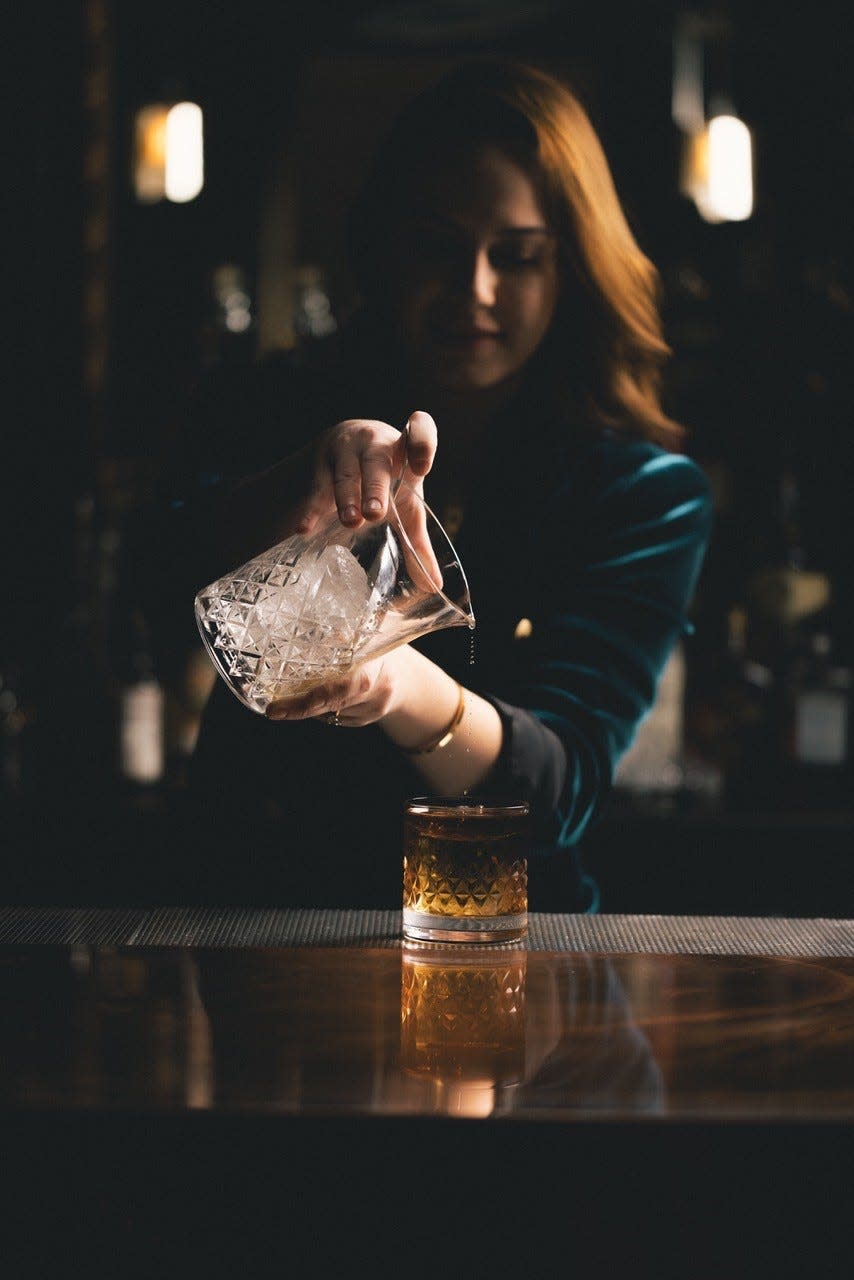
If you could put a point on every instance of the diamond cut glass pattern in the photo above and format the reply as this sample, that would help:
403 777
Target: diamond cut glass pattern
462 1018
465 870
310 608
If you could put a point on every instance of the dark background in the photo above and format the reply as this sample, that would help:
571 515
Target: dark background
114 317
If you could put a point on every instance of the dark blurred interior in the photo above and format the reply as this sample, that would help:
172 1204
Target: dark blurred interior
738 798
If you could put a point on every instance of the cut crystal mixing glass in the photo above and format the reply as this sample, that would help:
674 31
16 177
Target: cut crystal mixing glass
310 608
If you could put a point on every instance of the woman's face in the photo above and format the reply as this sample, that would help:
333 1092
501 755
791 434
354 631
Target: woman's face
475 275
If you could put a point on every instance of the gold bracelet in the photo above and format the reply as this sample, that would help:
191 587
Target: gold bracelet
445 736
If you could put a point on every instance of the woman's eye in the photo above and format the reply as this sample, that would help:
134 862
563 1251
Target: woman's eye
510 259
439 245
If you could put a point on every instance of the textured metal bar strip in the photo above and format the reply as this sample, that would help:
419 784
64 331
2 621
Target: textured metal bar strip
266 927
695 935
273 927
68 926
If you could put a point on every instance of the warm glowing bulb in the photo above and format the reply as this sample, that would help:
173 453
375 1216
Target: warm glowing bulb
150 156
184 176
728 195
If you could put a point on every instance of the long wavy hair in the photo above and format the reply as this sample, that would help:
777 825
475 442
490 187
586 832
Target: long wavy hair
605 351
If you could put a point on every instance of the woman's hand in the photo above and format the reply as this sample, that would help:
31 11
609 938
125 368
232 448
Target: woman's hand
356 466
361 696
349 469
413 701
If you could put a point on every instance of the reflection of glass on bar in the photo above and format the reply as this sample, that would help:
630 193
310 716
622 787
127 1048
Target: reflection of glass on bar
462 1023
465 870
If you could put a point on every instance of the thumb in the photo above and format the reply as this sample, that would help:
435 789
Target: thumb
422 442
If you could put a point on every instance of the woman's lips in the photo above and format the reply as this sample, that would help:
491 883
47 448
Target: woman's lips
467 337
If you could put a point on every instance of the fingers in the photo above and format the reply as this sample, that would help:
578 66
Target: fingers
359 463
422 443
376 463
315 507
356 699
323 700
420 556
352 468
418 552
348 483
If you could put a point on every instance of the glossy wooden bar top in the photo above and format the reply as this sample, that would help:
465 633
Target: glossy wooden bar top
469 1032
297 1109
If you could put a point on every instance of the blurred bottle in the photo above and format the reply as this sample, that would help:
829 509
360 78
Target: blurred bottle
228 334
789 608
142 709
786 588
314 316
13 723
745 746
817 725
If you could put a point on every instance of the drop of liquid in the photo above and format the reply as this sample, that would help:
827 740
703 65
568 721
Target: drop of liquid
471 646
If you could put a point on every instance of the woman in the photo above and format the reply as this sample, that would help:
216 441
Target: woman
508 316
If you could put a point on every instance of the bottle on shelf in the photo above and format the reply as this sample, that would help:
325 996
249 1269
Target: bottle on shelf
314 315
787 588
745 747
13 723
789 604
142 711
228 333
817 725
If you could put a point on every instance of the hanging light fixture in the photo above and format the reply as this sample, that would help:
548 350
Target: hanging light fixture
168 152
717 146
728 192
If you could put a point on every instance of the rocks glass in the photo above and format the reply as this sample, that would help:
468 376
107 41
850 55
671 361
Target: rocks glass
465 869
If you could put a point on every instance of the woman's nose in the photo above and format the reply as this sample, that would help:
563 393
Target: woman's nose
483 278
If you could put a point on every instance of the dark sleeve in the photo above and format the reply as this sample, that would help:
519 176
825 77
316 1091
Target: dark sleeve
626 546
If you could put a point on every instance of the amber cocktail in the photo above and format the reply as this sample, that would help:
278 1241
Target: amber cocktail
465 870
